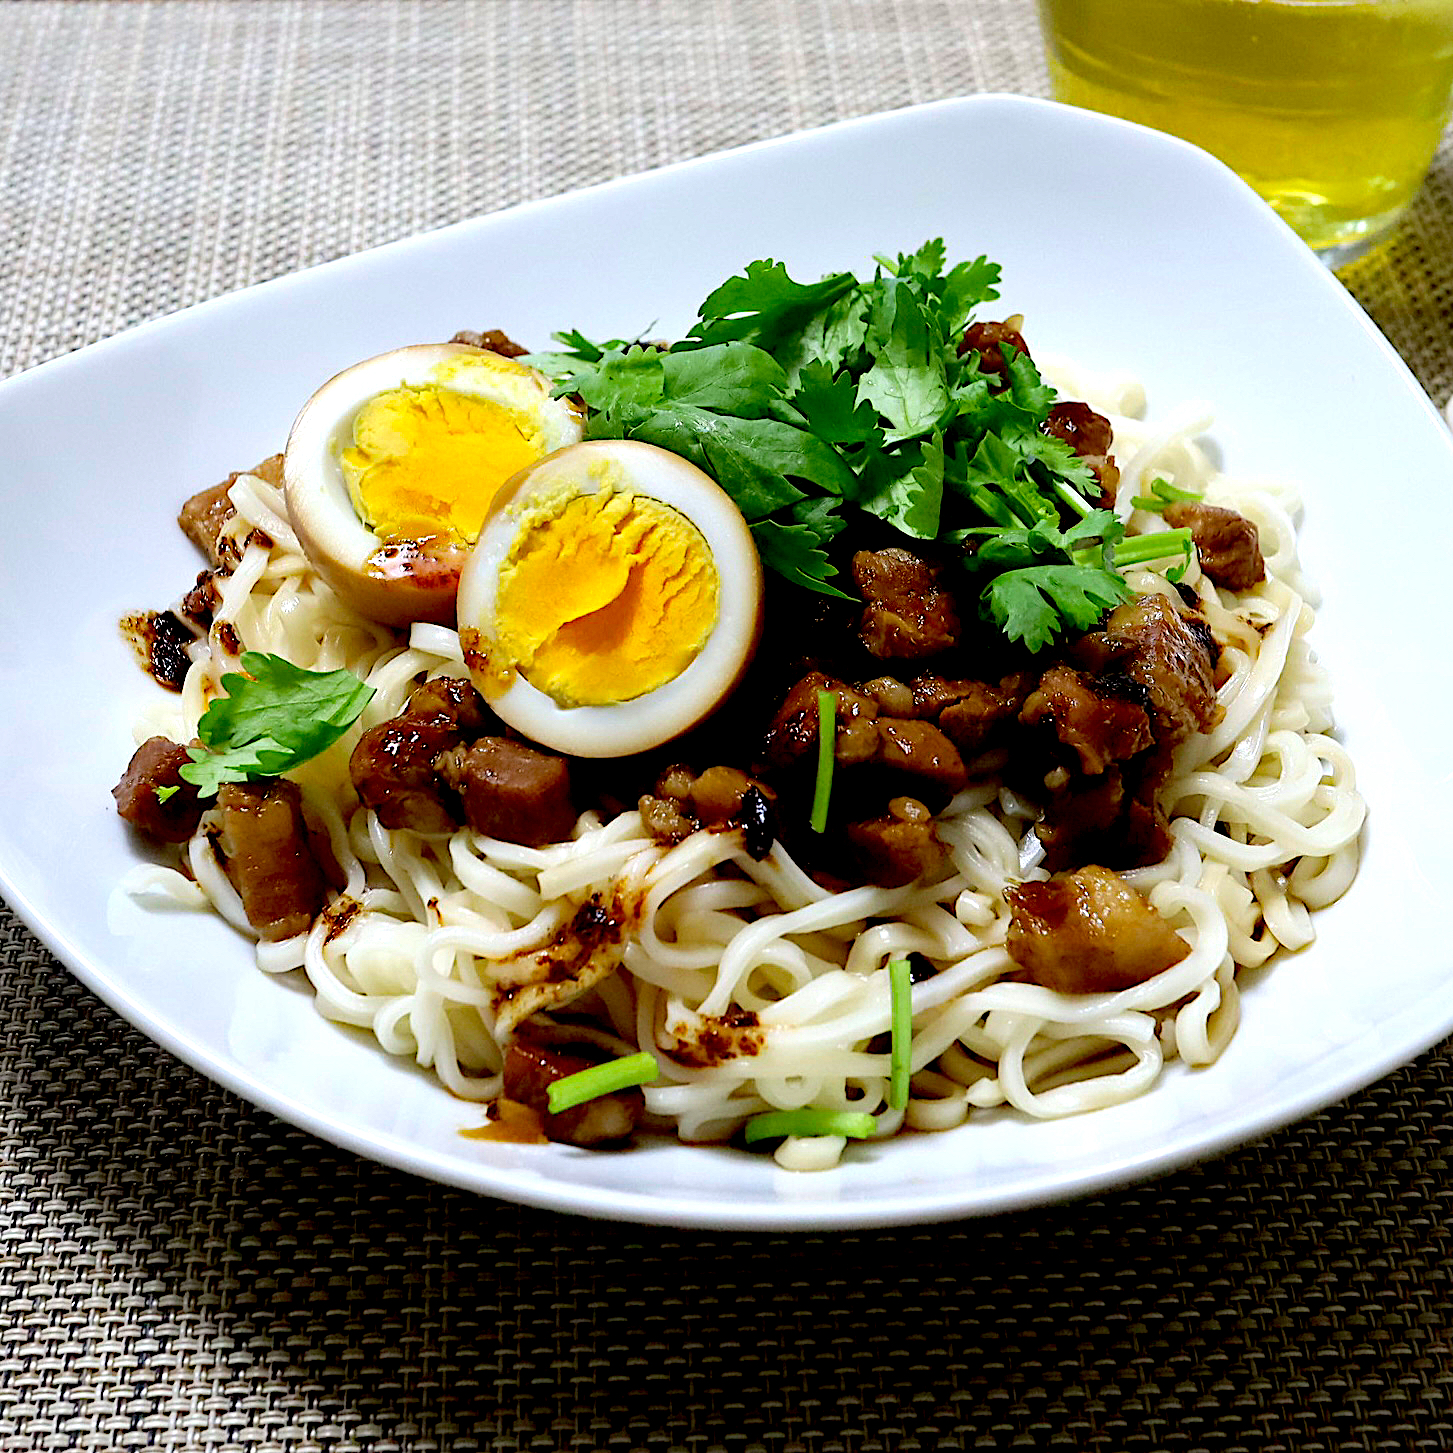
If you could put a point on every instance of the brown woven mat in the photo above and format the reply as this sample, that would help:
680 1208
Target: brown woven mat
180 1270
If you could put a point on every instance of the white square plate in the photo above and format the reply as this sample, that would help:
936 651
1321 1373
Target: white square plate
1126 249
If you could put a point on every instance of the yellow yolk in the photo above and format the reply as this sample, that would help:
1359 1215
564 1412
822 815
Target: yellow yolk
604 597
427 461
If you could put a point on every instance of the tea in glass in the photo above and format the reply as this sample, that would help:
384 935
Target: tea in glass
1331 109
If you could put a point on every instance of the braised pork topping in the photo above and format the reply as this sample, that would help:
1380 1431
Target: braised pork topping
511 791
721 798
907 614
493 340
1088 932
268 855
207 514
394 769
530 1068
1165 651
152 796
1227 543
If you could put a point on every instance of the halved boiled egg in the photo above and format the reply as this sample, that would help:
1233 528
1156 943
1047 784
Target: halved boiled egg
392 465
613 600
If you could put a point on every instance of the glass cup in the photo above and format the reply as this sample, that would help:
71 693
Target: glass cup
1331 109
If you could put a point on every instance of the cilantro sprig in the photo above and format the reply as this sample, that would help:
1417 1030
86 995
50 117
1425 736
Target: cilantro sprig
274 717
807 402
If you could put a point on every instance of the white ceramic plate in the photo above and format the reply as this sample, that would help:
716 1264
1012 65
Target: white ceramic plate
1124 247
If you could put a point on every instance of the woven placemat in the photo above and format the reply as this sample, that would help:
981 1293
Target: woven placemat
180 1270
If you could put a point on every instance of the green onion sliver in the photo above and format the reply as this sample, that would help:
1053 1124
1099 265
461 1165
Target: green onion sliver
852 1124
826 740
901 986
1141 549
598 1080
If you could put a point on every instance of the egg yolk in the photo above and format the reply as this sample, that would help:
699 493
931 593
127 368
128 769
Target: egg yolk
427 461
604 597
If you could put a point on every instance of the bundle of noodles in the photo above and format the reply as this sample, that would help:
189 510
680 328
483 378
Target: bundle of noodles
754 984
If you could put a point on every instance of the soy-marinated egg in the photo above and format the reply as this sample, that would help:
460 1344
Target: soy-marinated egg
392 466
613 600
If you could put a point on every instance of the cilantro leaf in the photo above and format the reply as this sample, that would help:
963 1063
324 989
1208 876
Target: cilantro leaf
1033 604
907 489
829 404
835 336
636 377
765 306
1026 389
275 717
730 378
565 366
751 459
926 263
964 288
795 552
822 514
583 347
908 380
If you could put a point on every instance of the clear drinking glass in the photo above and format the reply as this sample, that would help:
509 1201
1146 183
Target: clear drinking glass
1331 109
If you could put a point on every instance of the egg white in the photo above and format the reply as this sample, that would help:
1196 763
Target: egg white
621 728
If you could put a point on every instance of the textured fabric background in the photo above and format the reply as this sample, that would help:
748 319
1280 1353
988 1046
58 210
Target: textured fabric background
179 1270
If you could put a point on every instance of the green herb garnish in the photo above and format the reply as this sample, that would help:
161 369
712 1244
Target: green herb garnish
900 984
274 718
777 1124
598 1080
808 401
826 757
1163 493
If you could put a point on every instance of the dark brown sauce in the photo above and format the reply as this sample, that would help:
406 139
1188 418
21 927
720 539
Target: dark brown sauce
510 1123
733 1035
338 915
160 640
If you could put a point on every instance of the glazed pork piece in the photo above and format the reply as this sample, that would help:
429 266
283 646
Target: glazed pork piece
1168 654
971 714
493 340
891 768
721 797
511 791
529 1071
393 767
899 846
1088 932
1097 725
155 769
266 851
907 613
1227 543
908 748
432 768
1135 690
206 514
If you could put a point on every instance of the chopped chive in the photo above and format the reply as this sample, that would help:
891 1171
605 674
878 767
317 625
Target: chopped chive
900 984
598 1080
1162 493
775 1124
1138 549
826 740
